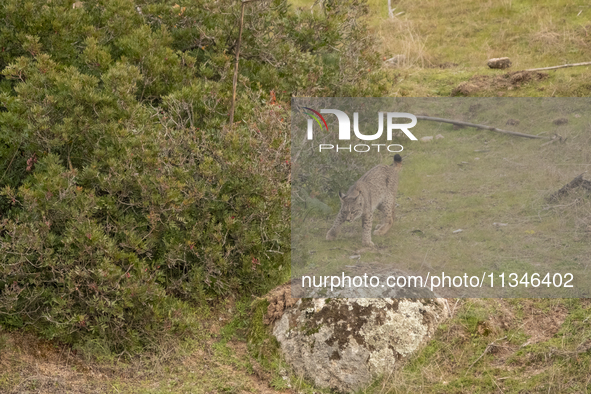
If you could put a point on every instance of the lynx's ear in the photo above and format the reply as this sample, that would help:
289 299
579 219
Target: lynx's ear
341 196
354 194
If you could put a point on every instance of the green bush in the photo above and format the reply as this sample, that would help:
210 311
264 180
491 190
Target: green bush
124 196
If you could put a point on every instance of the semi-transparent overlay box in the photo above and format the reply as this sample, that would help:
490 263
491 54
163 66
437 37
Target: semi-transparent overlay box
441 197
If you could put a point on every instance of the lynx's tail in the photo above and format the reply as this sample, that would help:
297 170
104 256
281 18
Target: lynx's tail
397 160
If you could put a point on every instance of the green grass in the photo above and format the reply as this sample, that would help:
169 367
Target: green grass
447 42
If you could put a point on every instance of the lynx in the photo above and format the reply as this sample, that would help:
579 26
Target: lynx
376 189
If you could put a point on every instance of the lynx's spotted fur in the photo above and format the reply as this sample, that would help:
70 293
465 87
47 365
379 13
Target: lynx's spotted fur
376 189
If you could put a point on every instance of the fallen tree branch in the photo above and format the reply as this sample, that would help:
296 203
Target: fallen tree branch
578 181
479 126
562 66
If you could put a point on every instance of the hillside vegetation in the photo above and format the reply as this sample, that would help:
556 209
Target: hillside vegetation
125 198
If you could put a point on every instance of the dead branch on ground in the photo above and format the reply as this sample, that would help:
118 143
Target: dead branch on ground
557 67
479 126
578 181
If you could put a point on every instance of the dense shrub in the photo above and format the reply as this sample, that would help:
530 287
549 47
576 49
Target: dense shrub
124 195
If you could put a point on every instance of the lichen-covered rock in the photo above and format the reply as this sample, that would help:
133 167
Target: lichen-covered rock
343 344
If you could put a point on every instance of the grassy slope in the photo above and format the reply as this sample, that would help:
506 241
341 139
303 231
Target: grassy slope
537 345
446 42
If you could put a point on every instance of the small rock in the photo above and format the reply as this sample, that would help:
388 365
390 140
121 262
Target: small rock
427 139
438 137
499 62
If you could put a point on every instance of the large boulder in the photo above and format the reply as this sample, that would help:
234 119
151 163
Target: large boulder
344 343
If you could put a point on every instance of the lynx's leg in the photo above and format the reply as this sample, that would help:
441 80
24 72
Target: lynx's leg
384 220
366 224
334 230
387 207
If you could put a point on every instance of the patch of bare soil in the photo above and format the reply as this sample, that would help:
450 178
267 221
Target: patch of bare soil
538 324
542 325
44 367
509 81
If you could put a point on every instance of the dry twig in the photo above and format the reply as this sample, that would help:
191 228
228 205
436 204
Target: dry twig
479 126
243 4
557 67
488 347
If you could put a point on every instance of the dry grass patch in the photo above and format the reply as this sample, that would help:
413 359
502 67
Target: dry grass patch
216 362
30 364
403 42
489 347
